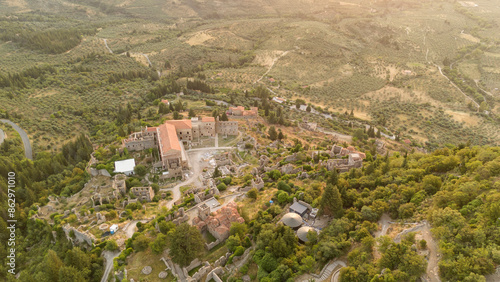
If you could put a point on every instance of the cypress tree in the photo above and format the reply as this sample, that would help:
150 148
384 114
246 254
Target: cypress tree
331 202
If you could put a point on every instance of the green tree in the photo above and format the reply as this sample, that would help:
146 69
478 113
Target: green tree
331 203
280 135
111 245
273 135
307 263
239 229
186 244
268 262
222 186
70 273
177 116
252 193
232 242
159 244
140 243
140 170
52 265
166 226
191 113
224 117
217 172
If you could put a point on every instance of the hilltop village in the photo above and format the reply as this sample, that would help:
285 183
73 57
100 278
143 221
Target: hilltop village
208 173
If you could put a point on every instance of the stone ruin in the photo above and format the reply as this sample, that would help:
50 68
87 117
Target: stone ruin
147 270
290 169
202 196
80 236
178 217
263 161
257 183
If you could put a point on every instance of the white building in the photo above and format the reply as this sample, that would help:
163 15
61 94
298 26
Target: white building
126 167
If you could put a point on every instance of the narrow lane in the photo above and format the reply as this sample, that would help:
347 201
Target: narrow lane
24 136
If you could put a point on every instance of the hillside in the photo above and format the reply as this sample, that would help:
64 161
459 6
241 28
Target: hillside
412 86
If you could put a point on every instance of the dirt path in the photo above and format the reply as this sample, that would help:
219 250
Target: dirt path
432 273
384 222
107 47
272 65
131 227
194 163
441 72
2 136
28 151
108 256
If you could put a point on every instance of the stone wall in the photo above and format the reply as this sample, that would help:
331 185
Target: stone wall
79 236
210 246
214 274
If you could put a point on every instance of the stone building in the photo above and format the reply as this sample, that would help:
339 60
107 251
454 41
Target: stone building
226 127
218 223
119 184
240 111
145 139
143 193
171 137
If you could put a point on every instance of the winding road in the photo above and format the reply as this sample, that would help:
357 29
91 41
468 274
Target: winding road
441 72
272 65
2 136
28 151
108 256
107 47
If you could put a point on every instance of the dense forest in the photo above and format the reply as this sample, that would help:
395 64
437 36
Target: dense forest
61 173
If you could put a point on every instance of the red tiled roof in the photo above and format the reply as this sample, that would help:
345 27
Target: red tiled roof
208 119
165 101
151 129
168 138
180 124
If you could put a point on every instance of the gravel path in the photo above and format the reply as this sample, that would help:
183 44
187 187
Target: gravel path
108 256
26 141
2 136
107 47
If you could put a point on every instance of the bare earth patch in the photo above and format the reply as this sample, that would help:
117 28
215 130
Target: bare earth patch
199 38
464 117
140 58
470 37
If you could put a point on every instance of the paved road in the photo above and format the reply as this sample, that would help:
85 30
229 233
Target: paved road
26 141
108 256
2 136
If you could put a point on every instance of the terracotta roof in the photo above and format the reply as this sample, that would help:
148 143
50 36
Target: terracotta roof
208 119
180 124
165 101
168 138
150 129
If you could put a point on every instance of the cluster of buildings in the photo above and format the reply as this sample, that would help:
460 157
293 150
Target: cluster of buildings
171 137
354 158
294 219
219 222
240 111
